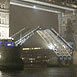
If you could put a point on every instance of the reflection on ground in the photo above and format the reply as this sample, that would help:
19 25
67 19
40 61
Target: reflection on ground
41 72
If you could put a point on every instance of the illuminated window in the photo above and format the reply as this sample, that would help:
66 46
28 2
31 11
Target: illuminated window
2 21
38 56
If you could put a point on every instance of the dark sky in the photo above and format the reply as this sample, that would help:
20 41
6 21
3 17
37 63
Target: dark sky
24 17
21 17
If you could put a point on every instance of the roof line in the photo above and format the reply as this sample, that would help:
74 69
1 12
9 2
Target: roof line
31 6
50 5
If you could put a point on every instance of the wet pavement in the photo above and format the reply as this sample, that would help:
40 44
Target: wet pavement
41 72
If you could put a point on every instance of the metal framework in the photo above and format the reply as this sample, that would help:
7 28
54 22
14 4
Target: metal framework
56 43
52 39
22 36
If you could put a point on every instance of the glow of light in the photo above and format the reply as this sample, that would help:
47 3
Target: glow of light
38 56
64 46
31 58
37 48
55 44
31 61
31 48
45 56
22 58
8 44
25 48
34 7
51 46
